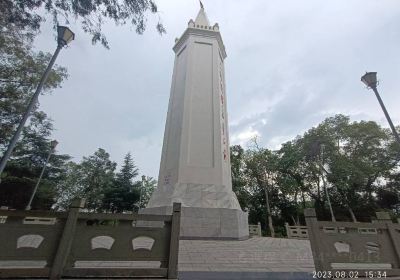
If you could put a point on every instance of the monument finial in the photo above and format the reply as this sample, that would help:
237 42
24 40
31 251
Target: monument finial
201 18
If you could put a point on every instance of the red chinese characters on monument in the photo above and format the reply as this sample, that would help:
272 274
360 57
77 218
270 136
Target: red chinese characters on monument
222 106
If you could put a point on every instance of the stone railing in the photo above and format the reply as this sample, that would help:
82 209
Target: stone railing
255 230
76 244
354 250
296 232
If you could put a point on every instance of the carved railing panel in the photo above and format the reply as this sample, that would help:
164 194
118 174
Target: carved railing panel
255 230
355 247
296 232
32 241
122 248
49 244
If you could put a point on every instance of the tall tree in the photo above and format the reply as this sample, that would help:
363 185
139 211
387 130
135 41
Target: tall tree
22 172
124 193
96 175
238 177
148 187
358 170
128 171
20 72
291 178
260 165
70 187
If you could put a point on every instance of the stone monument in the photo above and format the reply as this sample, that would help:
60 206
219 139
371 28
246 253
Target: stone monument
195 162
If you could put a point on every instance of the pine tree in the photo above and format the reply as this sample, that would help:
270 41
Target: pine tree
125 191
97 177
128 171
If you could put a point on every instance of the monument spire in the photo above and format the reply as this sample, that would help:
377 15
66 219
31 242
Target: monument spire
202 18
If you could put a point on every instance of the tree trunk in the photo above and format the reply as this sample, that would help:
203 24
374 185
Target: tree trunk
328 199
296 222
353 217
269 216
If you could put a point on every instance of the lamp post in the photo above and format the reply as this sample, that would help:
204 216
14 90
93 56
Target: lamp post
321 164
141 190
371 81
53 145
65 35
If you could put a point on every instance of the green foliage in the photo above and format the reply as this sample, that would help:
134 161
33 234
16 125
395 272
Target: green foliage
148 187
27 162
15 192
92 14
124 193
359 162
20 72
89 180
97 175
95 179
128 172
238 178
22 173
21 69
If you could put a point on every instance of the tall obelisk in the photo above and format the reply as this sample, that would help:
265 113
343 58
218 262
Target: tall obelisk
195 162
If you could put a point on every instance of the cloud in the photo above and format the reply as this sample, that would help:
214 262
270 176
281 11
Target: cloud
244 136
290 64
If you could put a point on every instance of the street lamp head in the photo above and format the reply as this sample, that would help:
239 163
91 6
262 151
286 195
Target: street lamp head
65 35
369 79
53 144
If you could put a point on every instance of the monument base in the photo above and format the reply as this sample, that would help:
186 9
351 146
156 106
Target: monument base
208 223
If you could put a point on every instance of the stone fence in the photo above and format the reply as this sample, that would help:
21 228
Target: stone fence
354 250
296 232
77 244
255 230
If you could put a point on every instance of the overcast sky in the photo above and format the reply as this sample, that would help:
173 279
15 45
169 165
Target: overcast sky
290 65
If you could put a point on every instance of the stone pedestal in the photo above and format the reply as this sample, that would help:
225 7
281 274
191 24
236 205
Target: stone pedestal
208 223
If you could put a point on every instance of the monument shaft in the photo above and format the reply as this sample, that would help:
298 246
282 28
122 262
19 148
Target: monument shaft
195 160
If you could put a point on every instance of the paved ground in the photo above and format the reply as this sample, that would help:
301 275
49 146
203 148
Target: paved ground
260 254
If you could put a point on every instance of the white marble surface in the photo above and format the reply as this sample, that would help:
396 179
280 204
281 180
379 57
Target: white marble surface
195 195
258 254
195 161
201 222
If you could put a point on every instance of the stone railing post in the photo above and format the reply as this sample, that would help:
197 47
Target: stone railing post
313 234
174 242
259 229
385 217
67 237
288 232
